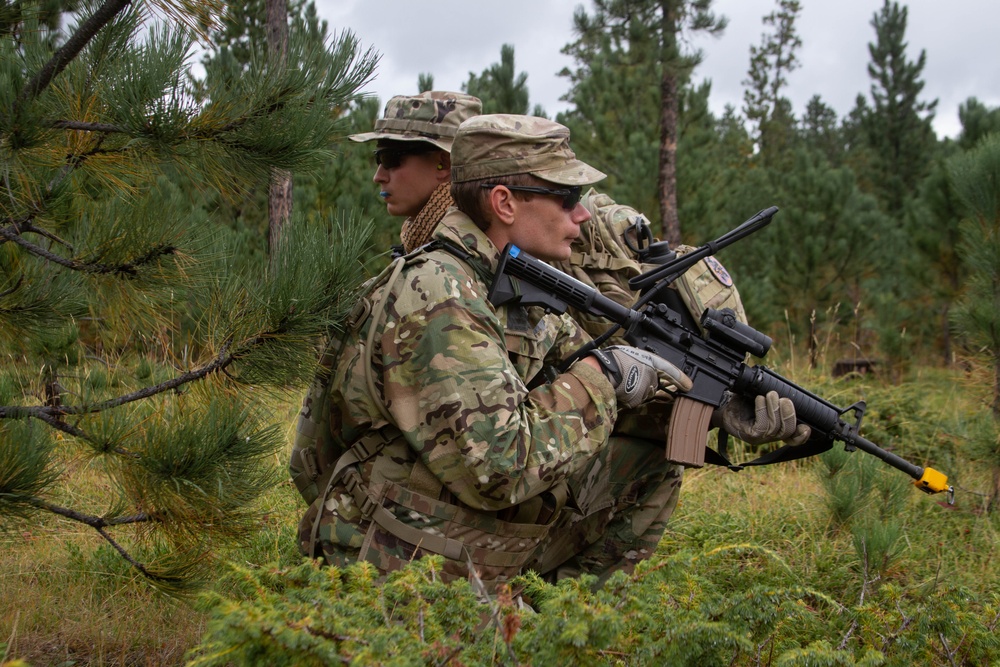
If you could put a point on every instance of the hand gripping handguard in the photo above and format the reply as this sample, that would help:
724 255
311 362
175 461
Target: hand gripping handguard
762 419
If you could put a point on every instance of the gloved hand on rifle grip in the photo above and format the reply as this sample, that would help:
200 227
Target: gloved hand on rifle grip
634 374
767 418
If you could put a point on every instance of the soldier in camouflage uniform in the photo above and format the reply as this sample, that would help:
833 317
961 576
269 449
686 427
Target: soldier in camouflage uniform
431 441
413 161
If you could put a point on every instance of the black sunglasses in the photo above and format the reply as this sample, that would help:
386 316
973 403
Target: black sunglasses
392 157
570 195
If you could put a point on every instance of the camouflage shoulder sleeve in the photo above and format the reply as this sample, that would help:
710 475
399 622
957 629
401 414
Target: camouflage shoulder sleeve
463 408
708 284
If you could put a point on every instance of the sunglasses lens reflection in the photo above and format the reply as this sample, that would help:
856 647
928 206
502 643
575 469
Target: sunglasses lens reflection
392 157
388 158
573 198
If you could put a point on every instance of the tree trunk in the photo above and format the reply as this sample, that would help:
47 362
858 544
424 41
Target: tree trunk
996 389
994 500
669 112
813 342
946 348
946 334
279 201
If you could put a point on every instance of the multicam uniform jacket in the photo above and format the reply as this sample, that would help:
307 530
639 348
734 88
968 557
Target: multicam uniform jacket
456 457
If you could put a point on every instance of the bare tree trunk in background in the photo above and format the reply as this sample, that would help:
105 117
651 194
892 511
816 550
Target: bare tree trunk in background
813 342
955 283
669 112
994 501
279 201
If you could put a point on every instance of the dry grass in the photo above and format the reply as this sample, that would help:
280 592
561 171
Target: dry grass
783 508
66 599
61 609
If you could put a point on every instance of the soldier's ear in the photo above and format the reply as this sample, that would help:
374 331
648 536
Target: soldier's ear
443 172
502 205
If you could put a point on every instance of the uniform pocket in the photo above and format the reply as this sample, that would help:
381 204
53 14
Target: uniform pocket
407 525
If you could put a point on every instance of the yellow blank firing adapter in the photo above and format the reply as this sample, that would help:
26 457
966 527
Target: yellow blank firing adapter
933 482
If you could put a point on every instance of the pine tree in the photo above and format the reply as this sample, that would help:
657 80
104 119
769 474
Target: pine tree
768 112
978 120
820 130
279 196
239 38
937 263
975 177
897 127
137 337
500 89
892 148
425 82
615 106
640 41
708 161
824 240
345 183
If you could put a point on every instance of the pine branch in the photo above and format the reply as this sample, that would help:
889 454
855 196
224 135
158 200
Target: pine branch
47 413
58 424
51 414
61 58
128 269
24 226
100 524
73 161
17 286
85 126
136 564
96 522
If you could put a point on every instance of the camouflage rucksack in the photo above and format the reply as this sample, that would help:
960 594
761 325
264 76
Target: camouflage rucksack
617 244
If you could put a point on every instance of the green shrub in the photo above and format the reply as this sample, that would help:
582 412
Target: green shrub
734 605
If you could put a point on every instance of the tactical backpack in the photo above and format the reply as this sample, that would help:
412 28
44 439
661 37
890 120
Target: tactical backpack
617 244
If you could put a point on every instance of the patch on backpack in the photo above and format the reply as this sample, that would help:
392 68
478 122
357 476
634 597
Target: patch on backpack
719 271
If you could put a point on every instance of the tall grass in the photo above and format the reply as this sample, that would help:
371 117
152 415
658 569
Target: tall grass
66 598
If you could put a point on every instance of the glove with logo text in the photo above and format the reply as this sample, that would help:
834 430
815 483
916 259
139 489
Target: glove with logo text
635 374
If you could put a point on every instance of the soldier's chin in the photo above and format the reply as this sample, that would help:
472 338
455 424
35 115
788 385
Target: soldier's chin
561 255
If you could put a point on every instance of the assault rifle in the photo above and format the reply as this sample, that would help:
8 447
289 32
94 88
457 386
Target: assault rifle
713 356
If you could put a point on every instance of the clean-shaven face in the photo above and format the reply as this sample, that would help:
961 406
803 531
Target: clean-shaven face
406 180
544 228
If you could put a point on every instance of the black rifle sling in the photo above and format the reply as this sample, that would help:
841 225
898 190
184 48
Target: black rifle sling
817 444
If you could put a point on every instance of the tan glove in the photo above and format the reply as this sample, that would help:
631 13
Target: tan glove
635 374
767 419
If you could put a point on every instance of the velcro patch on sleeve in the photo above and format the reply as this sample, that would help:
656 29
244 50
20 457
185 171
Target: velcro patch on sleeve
719 271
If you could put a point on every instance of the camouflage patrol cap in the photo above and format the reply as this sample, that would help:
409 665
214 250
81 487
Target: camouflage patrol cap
506 144
432 117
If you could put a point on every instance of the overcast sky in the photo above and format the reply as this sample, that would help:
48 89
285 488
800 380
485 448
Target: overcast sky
450 38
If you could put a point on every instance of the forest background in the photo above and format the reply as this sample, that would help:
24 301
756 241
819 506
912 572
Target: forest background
176 239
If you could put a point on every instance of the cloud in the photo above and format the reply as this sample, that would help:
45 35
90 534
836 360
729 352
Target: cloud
449 39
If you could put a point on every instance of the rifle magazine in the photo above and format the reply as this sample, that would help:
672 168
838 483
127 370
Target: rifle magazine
687 434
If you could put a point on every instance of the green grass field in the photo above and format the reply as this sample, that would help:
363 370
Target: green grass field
66 598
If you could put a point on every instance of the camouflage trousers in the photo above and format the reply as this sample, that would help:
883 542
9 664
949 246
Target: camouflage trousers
623 500
617 509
